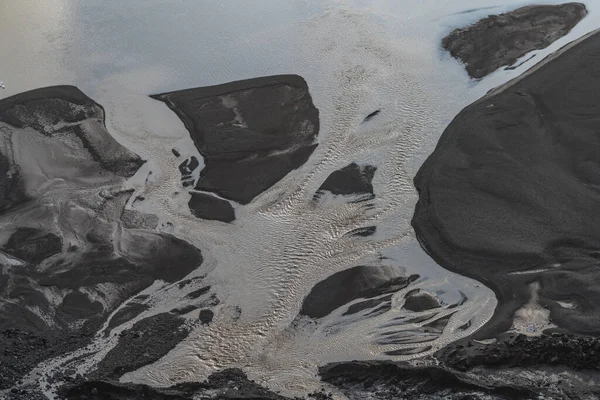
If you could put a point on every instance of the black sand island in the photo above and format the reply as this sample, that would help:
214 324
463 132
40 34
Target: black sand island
353 179
500 40
510 194
251 134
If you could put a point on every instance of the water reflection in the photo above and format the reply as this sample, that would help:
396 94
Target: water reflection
356 56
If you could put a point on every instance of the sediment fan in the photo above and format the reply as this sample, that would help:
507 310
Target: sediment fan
97 302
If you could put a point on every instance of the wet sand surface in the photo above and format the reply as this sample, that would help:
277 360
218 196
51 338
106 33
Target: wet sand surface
500 40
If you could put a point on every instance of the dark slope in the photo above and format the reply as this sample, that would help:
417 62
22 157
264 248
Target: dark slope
500 40
251 133
58 111
511 194
392 381
230 384
366 282
352 179
207 206
69 257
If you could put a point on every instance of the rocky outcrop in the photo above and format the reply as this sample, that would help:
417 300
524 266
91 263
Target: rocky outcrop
500 40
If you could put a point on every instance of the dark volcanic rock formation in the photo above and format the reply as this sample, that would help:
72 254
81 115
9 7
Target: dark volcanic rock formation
207 206
64 112
510 195
251 133
186 168
231 384
516 350
352 179
147 341
365 282
386 380
33 245
417 301
502 39
69 253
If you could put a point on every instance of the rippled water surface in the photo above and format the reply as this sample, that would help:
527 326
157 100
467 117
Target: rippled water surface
357 56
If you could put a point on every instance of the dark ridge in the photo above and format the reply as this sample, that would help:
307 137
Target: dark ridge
33 245
189 281
409 351
20 351
126 313
57 300
371 115
251 133
516 350
230 384
352 179
146 341
365 305
43 109
351 284
197 293
513 186
185 309
206 316
209 207
176 153
387 380
366 231
500 40
188 165
419 301
12 190
80 306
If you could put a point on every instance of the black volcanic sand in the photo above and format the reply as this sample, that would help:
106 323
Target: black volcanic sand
464 370
231 384
207 206
513 187
518 350
65 112
353 179
418 301
500 40
147 341
387 380
251 133
366 282
68 259
203 205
